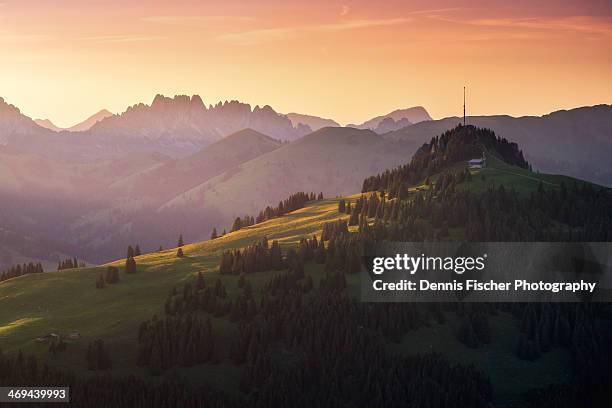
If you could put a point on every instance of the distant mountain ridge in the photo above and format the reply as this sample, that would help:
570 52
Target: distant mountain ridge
395 120
314 122
79 127
177 126
332 160
47 124
90 121
187 119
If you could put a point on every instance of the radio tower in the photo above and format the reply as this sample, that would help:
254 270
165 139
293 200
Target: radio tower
464 106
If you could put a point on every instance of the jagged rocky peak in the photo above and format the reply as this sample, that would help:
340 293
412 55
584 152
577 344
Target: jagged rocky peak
182 101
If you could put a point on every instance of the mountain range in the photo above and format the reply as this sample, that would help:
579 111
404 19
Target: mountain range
313 122
176 166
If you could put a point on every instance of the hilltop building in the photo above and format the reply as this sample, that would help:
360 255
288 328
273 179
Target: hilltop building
480 163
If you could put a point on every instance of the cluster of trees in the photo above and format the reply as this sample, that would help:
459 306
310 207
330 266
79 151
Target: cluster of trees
68 263
110 391
110 277
576 213
243 306
372 206
18 270
198 296
333 358
309 250
98 357
257 257
456 145
215 235
292 203
243 222
294 278
545 326
475 330
175 341
334 229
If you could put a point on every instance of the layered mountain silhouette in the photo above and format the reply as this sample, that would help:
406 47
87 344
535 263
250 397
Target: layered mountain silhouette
395 120
176 126
573 142
182 122
176 176
313 122
90 121
331 160
177 166
79 127
47 124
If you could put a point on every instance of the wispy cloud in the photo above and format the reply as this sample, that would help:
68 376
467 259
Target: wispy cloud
112 39
345 10
193 19
575 24
271 34
584 24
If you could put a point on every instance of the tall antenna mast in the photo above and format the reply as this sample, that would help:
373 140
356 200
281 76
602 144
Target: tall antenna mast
464 106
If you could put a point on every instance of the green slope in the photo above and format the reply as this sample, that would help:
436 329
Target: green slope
63 301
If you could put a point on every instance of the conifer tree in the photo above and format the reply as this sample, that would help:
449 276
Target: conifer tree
130 265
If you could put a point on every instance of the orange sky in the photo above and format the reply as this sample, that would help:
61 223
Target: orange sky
348 60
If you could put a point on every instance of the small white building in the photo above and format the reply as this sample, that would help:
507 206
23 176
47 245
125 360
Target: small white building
478 163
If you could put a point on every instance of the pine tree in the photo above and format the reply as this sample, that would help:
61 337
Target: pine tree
180 241
137 251
130 265
214 234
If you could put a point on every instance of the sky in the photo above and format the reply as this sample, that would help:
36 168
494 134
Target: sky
347 60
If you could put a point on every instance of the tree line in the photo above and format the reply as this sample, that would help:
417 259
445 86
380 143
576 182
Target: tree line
292 203
21 269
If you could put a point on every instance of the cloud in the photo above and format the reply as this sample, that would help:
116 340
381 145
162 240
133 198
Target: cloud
575 24
192 19
585 24
280 33
113 39
345 10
